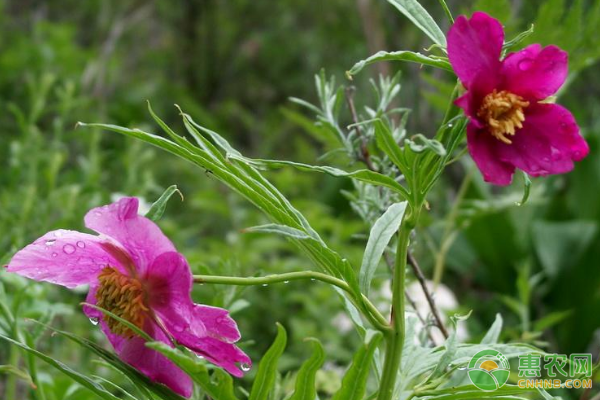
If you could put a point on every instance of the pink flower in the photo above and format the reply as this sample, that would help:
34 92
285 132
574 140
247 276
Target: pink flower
135 272
510 126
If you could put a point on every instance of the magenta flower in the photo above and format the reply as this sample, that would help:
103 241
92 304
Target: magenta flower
510 124
135 272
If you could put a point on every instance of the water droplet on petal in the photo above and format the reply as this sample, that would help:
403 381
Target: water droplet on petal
94 321
81 245
58 233
50 242
525 64
54 254
98 214
69 249
245 367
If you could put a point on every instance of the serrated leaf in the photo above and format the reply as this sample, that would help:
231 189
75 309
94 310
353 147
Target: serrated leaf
267 368
354 383
305 380
381 233
421 18
158 207
279 230
407 56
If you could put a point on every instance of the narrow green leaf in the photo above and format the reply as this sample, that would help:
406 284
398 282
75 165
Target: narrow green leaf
221 388
278 229
363 175
419 143
19 373
267 369
407 56
386 142
354 383
83 380
305 380
517 40
492 335
526 189
381 233
421 18
158 207
142 382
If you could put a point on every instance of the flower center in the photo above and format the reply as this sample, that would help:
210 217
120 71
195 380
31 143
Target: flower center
503 113
124 297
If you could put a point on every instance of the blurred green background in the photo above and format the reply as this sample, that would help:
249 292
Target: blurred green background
233 65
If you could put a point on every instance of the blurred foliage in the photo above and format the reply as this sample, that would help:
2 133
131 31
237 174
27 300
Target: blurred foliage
233 65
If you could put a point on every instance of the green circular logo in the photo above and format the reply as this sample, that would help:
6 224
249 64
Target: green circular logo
489 370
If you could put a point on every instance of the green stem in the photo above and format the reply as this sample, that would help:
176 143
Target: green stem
395 338
364 304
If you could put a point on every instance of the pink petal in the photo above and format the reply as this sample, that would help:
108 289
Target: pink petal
535 73
217 322
153 364
141 237
484 150
169 284
474 47
63 257
226 355
211 334
548 143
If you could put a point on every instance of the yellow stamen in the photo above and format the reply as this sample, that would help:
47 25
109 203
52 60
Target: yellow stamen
503 113
124 297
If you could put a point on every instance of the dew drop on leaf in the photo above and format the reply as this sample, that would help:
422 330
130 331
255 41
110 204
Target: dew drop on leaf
94 321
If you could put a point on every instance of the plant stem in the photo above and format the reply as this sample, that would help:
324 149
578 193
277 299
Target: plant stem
371 311
395 338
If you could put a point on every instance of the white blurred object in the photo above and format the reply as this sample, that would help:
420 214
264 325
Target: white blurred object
143 208
342 322
444 300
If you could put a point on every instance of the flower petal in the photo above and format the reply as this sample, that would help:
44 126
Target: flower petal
211 334
141 237
548 143
217 322
226 355
63 257
474 47
535 73
169 284
153 364
484 150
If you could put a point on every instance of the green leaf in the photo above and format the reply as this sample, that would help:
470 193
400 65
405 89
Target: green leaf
142 382
492 335
408 56
381 233
421 18
305 380
278 229
354 383
83 380
19 373
363 175
220 388
526 189
517 40
561 244
419 143
158 207
267 369
386 142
